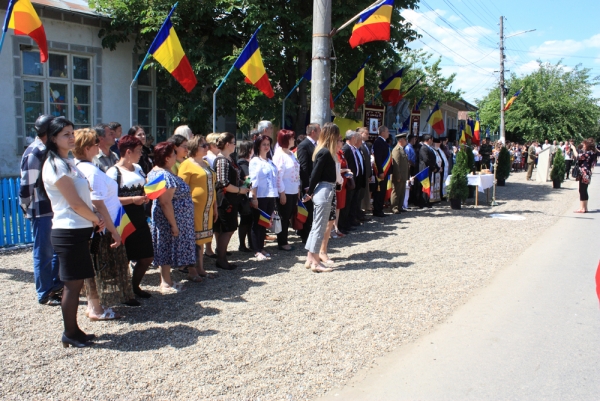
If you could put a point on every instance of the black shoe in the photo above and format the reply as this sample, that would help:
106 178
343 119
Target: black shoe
141 293
379 214
364 218
51 300
244 249
131 302
230 266
66 341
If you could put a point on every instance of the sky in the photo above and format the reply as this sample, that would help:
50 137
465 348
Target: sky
465 33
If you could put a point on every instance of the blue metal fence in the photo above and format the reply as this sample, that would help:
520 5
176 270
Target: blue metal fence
14 227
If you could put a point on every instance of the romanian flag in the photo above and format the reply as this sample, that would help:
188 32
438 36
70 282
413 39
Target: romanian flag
123 225
436 120
156 188
512 100
469 130
388 191
423 177
264 219
476 133
390 89
302 212
357 87
167 50
250 63
463 135
21 16
373 24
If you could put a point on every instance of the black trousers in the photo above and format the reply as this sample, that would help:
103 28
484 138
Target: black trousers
379 196
259 232
285 213
583 191
354 203
344 221
310 207
568 166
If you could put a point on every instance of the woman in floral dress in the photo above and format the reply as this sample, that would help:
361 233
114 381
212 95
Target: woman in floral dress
172 219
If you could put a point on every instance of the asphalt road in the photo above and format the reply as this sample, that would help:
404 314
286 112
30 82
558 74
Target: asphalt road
532 334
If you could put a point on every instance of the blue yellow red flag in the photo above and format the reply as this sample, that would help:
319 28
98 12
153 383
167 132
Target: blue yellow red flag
373 24
423 178
123 225
250 63
436 119
302 212
264 219
156 188
512 99
357 86
166 49
476 132
390 88
21 16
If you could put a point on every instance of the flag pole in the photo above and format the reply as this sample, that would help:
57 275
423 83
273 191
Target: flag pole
9 10
357 16
137 74
225 79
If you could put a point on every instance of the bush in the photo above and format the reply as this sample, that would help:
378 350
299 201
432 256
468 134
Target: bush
558 167
458 188
503 169
471 158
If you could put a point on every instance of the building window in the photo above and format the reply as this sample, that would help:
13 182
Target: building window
152 113
61 87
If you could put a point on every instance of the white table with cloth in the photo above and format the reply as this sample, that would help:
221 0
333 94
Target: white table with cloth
483 182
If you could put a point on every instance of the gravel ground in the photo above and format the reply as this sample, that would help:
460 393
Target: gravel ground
273 330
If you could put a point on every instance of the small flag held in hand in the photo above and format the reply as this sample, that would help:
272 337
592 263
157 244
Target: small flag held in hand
423 177
302 212
264 219
156 188
123 225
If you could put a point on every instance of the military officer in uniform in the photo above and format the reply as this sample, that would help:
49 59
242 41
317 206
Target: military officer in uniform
400 170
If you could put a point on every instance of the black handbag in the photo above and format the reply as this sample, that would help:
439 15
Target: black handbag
575 172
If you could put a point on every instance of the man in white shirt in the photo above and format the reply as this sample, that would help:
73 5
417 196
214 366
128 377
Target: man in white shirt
546 145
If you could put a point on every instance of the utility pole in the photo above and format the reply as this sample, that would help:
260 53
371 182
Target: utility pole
502 132
320 112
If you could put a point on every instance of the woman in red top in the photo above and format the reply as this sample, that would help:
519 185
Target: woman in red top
340 195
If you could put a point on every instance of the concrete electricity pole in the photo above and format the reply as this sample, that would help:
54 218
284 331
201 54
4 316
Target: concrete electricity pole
502 132
321 64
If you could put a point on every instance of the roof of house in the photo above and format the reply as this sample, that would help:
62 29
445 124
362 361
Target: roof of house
75 6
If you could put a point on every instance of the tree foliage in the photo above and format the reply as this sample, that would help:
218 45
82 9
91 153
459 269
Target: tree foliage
556 103
504 164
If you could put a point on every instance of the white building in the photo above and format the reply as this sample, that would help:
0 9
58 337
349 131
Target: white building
81 80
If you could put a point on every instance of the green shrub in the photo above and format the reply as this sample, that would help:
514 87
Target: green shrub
558 167
503 169
458 188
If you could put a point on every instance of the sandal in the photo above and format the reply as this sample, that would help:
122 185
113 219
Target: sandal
108 314
195 279
320 269
260 257
334 235
340 234
183 270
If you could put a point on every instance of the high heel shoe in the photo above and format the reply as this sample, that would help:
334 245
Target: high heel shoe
66 341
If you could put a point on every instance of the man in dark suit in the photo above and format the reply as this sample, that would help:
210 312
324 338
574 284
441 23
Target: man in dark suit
365 194
427 159
383 163
304 154
350 215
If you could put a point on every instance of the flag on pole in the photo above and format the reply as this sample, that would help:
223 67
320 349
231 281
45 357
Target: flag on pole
21 16
390 89
302 212
166 49
423 178
469 129
373 24
264 219
156 188
419 103
123 225
436 119
512 99
250 63
463 135
357 87
476 132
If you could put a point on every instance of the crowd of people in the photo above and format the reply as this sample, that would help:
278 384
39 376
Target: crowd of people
77 186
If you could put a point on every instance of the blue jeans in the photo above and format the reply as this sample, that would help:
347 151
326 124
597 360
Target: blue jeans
45 261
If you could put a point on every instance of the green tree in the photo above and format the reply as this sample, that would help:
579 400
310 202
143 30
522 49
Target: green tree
556 103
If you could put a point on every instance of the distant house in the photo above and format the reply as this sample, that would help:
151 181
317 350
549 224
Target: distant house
81 80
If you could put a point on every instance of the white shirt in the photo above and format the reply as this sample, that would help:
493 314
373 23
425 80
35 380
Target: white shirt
64 216
288 172
360 161
263 175
545 146
130 180
103 187
210 159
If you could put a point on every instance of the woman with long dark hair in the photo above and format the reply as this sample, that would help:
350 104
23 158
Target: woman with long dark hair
585 162
72 225
145 161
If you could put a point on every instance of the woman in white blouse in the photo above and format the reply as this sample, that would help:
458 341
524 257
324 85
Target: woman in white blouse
263 175
288 184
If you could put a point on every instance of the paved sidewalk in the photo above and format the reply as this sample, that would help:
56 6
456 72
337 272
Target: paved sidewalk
532 334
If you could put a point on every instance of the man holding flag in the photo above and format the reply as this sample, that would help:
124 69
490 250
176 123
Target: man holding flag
383 164
427 159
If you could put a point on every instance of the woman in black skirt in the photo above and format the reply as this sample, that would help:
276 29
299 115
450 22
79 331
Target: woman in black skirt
131 180
72 225
245 153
